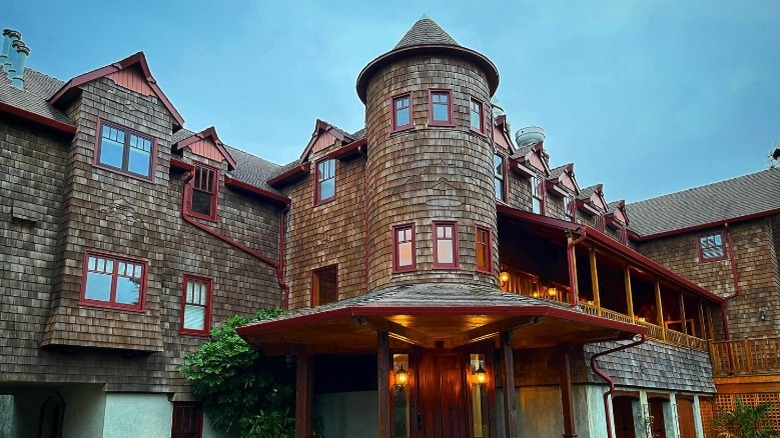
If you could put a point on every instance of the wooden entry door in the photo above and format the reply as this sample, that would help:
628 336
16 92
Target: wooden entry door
686 419
624 417
441 409
657 413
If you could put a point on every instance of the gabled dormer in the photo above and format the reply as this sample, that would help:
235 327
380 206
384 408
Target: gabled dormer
591 201
206 144
562 182
502 137
616 216
131 73
324 136
531 160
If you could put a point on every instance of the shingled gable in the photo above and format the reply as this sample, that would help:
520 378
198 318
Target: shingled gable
562 181
207 144
591 200
323 136
530 159
501 135
616 212
136 61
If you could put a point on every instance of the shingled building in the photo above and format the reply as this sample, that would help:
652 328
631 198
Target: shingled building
443 279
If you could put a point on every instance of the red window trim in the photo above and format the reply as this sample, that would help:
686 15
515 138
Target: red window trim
455 253
317 200
214 199
394 127
481 129
489 268
413 267
703 259
153 157
199 421
141 307
542 195
505 183
312 301
450 111
209 291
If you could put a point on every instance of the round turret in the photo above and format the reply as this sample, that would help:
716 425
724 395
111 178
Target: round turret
430 162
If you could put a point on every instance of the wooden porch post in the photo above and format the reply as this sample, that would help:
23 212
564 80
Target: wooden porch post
594 280
660 309
682 315
629 294
303 393
702 321
567 399
384 429
510 397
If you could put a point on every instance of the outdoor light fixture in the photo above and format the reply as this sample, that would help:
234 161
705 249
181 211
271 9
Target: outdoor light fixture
480 375
401 377
641 319
762 315
503 277
552 291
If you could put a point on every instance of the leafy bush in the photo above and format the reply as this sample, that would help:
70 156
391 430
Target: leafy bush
239 386
745 421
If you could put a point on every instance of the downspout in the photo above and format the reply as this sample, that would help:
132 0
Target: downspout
185 197
735 275
362 151
575 294
280 267
609 380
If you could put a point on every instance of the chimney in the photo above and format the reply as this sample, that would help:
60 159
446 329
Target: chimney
6 57
16 74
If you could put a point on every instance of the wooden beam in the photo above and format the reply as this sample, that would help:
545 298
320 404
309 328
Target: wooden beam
709 322
702 321
683 322
567 398
384 413
303 393
397 331
575 292
659 305
594 280
491 329
629 294
510 396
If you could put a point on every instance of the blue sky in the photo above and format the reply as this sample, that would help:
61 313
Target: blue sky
647 97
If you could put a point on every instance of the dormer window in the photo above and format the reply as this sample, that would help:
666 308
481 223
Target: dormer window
440 107
126 151
711 248
537 195
499 179
203 192
477 116
326 181
402 112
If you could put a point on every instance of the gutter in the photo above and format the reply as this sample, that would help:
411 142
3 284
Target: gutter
609 380
575 293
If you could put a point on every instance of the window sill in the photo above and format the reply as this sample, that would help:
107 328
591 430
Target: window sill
441 124
325 202
404 270
401 129
196 215
193 333
109 306
446 267
714 259
122 172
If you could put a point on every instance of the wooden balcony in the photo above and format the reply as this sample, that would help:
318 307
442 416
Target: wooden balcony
746 357
655 332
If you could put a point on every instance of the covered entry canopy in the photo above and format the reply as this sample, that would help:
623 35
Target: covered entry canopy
432 316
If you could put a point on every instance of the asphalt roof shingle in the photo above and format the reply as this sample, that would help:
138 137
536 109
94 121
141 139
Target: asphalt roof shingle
426 32
745 195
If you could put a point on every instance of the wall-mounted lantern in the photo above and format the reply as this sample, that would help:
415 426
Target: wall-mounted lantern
401 377
503 277
480 375
552 291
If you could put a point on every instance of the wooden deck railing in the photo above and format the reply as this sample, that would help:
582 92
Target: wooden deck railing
653 331
746 356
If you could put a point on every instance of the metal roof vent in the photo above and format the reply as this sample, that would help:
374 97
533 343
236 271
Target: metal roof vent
530 135
498 110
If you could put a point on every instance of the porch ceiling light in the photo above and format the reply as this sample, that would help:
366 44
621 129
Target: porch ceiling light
401 377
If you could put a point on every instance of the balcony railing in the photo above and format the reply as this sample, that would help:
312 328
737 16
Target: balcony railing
746 356
653 331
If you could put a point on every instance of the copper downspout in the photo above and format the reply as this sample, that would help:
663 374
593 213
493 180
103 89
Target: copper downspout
735 275
279 273
280 267
575 294
609 380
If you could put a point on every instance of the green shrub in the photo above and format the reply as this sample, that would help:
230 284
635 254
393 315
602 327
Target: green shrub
745 421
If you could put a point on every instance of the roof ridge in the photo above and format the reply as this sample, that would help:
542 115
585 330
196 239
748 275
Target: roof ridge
426 31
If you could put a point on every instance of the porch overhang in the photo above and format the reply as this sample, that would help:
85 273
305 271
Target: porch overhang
462 315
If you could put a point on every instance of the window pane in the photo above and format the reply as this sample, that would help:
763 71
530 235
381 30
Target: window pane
441 112
98 286
327 189
194 317
536 206
499 186
128 290
201 202
444 251
405 254
476 115
138 162
402 117
111 151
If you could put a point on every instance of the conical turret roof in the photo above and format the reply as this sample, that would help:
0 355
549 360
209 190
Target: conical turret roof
426 32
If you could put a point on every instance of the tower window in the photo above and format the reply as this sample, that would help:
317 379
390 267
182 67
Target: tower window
445 245
402 112
477 116
325 285
711 247
440 107
326 181
537 195
404 251
499 180
484 250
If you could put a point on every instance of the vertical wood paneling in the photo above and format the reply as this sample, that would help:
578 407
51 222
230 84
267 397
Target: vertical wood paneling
131 79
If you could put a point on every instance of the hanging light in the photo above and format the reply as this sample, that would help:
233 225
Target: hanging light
503 276
480 375
401 377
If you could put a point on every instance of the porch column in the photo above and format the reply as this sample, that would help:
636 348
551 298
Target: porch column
567 399
303 393
629 294
671 422
682 315
510 396
384 412
594 280
702 322
660 308
697 423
